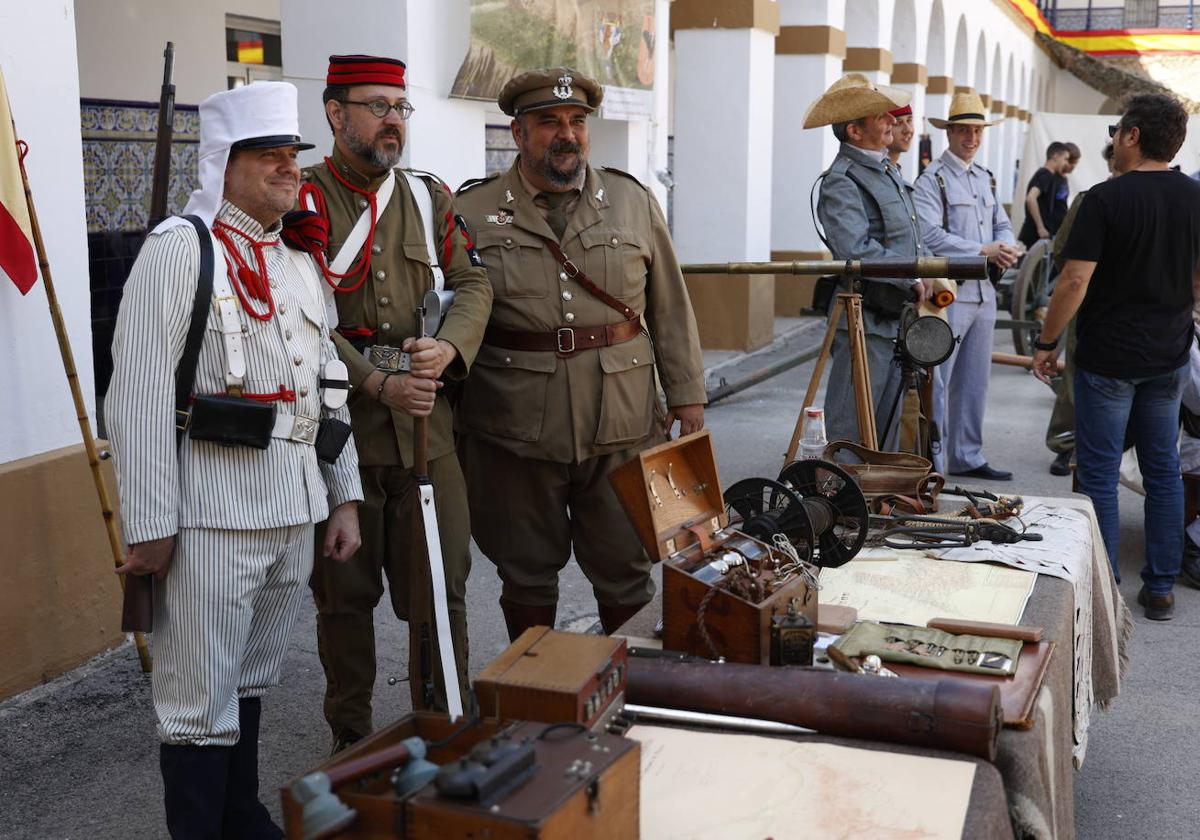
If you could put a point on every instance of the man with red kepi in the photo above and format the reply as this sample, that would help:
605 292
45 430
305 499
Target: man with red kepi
393 236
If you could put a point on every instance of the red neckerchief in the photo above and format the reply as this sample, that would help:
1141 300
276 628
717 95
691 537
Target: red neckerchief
359 271
247 281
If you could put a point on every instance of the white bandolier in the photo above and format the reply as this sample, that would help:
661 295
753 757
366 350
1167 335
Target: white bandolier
224 516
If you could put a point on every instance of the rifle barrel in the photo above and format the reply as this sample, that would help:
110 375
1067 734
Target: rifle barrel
162 142
954 268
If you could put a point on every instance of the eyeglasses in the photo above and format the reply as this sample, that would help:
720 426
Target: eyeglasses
380 107
1113 129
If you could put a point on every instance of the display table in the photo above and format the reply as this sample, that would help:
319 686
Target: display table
1037 765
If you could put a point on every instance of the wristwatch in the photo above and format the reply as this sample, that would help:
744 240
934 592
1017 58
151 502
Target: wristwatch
1046 345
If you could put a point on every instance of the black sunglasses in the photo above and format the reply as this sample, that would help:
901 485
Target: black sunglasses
1113 129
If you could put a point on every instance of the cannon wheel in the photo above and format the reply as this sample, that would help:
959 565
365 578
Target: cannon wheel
1029 291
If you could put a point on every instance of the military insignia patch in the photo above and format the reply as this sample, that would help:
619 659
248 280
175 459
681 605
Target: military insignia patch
563 89
501 218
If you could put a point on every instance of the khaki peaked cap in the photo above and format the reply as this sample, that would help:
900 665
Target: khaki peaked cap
853 97
966 108
549 87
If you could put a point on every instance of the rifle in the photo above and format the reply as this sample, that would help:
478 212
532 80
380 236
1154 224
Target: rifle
949 714
954 268
137 607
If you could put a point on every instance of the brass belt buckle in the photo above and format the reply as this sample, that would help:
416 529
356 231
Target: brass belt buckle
389 359
570 333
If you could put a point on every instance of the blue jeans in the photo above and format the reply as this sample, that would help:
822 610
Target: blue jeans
1103 408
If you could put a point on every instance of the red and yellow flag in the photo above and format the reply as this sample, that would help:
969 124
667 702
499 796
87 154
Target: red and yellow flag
17 262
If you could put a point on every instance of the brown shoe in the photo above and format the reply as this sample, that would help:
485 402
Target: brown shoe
520 617
1158 607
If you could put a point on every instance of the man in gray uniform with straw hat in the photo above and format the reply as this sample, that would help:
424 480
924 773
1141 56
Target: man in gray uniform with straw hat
961 217
867 212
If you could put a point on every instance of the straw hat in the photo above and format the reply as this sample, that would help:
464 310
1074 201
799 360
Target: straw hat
853 97
965 109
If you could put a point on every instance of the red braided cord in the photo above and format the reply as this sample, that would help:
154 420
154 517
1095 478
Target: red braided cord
264 290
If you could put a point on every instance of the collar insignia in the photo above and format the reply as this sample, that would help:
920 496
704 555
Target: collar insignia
600 194
508 196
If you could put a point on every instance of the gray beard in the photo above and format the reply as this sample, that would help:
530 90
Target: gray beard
366 149
544 168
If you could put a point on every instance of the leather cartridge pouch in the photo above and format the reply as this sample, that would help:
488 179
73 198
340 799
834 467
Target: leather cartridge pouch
888 473
231 421
883 299
332 435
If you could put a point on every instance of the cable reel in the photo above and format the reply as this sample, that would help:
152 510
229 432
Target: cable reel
815 504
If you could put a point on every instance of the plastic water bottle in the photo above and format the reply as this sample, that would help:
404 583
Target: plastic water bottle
812 434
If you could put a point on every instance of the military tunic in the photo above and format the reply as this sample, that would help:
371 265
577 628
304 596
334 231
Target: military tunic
393 538
867 211
564 421
969 218
242 517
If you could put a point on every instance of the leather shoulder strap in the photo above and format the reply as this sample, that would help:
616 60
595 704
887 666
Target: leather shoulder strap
185 374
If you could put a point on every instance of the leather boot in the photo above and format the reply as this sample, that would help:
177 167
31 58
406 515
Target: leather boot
520 617
611 618
246 818
194 783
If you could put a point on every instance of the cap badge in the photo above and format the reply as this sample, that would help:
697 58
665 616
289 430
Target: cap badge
563 89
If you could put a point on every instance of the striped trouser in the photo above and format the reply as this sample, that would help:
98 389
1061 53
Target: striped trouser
222 619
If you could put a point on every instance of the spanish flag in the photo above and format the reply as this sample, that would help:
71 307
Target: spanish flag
16 233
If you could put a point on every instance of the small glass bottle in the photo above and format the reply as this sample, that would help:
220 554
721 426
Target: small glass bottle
812 434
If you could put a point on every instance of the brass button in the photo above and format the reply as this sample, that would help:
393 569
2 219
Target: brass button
376 248
384 301
562 275
287 334
272 284
385 326
283 309
380 275
567 295
246 327
635 360
507 241
304 392
914 218
615 240
570 317
508 360
297 360
362 202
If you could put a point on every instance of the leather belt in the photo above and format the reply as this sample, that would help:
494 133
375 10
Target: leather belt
295 427
565 341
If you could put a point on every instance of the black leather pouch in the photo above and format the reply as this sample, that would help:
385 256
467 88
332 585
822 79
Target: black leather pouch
823 291
332 435
232 421
884 299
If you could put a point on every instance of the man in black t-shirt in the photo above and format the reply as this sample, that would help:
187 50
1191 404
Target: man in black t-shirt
1046 196
1131 272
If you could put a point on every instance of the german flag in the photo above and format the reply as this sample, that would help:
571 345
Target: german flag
250 52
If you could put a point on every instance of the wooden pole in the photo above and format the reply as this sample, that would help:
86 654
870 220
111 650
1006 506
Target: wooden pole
85 426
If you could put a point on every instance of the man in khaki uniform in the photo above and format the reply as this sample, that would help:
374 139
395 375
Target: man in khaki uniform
377 295
589 301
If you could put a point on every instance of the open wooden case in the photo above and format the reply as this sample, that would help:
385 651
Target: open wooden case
672 494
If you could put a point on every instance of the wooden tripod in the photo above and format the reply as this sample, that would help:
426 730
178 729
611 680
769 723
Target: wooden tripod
851 305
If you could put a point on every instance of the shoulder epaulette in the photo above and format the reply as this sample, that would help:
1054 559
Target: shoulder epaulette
625 174
471 183
840 164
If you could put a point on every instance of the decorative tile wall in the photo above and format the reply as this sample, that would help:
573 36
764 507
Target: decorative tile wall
118 161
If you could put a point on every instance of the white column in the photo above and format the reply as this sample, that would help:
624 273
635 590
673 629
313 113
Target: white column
937 106
724 90
445 136
800 155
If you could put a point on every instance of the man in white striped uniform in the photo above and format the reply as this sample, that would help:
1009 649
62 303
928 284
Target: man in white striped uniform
227 531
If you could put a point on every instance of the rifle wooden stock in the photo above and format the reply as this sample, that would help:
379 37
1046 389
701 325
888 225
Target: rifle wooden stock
948 714
954 268
137 604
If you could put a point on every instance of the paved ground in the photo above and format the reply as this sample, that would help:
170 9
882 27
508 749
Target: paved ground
78 757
